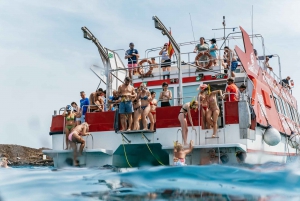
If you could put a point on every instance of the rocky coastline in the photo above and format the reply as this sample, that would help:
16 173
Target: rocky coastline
24 156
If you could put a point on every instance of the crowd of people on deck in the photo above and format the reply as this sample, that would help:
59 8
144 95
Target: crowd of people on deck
137 106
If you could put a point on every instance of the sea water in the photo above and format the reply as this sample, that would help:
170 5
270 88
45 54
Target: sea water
270 181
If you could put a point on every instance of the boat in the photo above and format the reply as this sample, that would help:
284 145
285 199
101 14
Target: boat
264 124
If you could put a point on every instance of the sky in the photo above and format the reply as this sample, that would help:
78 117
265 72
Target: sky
44 59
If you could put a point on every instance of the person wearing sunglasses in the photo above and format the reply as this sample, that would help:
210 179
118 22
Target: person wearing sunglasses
165 61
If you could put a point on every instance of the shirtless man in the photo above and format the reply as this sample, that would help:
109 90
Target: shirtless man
127 93
211 159
180 153
3 162
96 99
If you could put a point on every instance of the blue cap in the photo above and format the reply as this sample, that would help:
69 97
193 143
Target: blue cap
68 107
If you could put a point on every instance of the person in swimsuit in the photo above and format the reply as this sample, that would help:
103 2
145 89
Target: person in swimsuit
231 60
145 98
203 103
75 137
212 158
77 113
213 110
136 111
165 96
186 109
180 153
96 101
70 122
153 105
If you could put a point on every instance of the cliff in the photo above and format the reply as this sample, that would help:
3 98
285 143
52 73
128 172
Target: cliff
20 155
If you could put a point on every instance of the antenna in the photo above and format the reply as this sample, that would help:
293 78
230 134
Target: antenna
192 26
252 27
224 27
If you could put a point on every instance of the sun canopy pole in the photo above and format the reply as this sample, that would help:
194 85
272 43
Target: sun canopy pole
160 26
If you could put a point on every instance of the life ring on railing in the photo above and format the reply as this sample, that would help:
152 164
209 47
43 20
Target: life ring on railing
199 55
142 70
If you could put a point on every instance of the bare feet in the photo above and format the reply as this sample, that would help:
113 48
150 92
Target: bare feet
128 129
213 136
145 129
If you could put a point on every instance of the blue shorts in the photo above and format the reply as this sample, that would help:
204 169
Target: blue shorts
234 65
125 107
82 118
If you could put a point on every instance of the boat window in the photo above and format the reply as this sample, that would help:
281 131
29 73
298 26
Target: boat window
189 92
158 90
277 104
291 112
287 110
296 116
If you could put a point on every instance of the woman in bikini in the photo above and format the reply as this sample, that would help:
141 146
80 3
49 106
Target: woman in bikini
213 111
165 95
153 105
186 109
75 137
70 122
145 98
136 103
203 103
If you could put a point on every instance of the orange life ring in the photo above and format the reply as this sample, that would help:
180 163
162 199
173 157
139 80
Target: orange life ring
140 69
204 53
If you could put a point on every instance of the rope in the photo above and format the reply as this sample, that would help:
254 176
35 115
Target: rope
152 152
125 152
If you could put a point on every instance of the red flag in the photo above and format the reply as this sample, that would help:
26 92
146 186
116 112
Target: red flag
170 48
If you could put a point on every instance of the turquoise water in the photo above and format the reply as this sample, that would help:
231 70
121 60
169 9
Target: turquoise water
269 182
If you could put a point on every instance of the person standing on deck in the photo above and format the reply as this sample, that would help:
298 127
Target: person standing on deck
84 103
132 55
127 93
165 96
165 61
232 91
213 51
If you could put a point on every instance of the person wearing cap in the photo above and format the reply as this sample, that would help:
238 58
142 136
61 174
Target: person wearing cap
213 50
84 103
286 82
132 55
203 103
231 91
70 122
127 94
165 96
165 61
231 60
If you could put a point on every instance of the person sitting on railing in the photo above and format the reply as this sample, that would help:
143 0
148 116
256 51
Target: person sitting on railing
165 61
213 111
127 93
132 55
77 113
145 97
204 91
153 105
114 100
213 51
75 137
186 110
84 103
203 46
165 96
96 101
286 82
231 60
267 64
180 153
137 111
231 91
70 122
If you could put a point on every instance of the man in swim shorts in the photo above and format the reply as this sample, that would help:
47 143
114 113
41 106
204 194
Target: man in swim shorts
127 94
132 55
231 60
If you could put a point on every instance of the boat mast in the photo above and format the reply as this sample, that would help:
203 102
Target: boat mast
87 34
160 26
